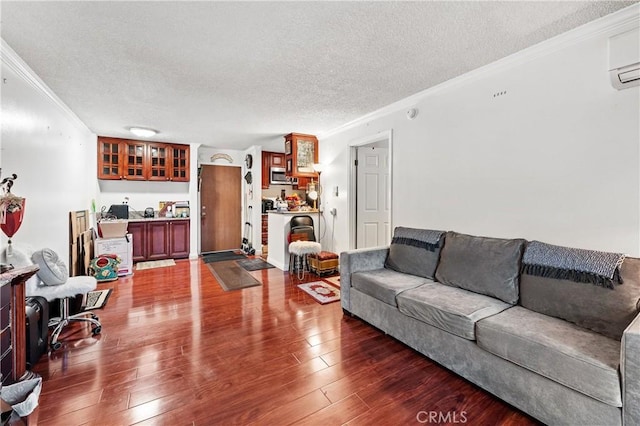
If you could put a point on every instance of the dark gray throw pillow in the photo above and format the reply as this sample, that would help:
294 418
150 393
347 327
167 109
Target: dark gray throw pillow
415 251
489 266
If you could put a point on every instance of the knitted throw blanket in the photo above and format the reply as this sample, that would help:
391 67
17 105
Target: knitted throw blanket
421 238
585 266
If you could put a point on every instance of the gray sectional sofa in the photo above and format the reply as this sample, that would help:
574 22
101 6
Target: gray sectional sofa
551 330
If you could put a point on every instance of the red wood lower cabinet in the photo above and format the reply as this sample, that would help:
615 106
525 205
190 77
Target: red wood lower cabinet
179 239
160 239
157 240
138 231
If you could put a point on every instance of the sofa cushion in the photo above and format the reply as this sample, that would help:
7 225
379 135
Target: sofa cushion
483 265
559 350
385 284
53 270
415 251
450 309
606 311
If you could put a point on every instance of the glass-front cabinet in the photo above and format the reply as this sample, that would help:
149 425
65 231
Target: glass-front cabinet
126 159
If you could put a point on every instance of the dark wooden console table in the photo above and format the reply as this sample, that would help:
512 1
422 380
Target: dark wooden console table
13 333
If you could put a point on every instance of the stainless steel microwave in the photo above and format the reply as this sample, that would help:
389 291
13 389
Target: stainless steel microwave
277 176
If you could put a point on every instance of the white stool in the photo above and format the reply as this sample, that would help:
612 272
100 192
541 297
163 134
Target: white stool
300 250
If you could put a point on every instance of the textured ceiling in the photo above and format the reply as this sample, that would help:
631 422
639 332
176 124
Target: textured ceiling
236 74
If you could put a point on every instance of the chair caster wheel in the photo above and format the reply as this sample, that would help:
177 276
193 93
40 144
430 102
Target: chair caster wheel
96 330
55 346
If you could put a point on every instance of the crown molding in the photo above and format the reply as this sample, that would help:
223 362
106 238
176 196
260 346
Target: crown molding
11 59
614 23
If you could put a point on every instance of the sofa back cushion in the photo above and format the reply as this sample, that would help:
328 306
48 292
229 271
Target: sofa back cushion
489 266
415 251
597 308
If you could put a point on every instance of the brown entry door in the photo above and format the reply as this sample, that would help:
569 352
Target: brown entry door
220 198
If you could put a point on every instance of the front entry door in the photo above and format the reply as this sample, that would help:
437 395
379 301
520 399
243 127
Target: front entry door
221 208
373 197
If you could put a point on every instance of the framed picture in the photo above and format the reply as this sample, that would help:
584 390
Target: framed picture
287 147
305 155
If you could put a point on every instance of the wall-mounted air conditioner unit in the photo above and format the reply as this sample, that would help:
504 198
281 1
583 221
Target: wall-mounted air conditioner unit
624 59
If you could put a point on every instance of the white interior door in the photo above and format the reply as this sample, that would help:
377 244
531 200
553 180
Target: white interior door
373 197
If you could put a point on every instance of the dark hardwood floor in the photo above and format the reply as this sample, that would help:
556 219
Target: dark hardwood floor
178 350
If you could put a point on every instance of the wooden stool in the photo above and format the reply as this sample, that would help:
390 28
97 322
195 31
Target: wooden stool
300 250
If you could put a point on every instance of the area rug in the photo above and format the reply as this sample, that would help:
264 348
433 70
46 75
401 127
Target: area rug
254 264
321 292
231 276
221 256
155 264
333 280
97 299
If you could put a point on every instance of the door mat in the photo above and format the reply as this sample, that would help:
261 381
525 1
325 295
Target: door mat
221 256
321 292
254 264
97 299
155 264
231 276
333 280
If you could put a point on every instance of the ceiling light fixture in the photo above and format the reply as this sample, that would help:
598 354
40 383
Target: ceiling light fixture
142 132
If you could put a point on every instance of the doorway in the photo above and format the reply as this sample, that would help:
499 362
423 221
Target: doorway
220 208
371 192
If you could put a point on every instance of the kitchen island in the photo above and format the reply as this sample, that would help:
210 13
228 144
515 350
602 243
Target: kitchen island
279 228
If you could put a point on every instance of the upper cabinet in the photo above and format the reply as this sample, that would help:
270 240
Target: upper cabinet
270 160
138 160
180 163
301 153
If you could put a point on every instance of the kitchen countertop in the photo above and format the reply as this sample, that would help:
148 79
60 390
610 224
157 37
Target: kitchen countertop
152 219
292 211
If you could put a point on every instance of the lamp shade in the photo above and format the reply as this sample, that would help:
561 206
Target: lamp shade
318 167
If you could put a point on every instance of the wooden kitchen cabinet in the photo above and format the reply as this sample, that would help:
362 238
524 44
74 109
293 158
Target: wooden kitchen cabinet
270 159
180 163
110 158
265 229
160 239
301 153
276 159
135 160
266 166
158 161
157 240
127 159
179 239
138 231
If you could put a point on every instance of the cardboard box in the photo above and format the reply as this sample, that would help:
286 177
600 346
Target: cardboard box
122 247
112 228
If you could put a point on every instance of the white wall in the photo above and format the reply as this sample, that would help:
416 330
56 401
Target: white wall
50 150
556 158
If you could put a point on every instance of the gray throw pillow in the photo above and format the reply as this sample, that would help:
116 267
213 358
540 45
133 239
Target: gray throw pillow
489 266
415 251
600 309
52 270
